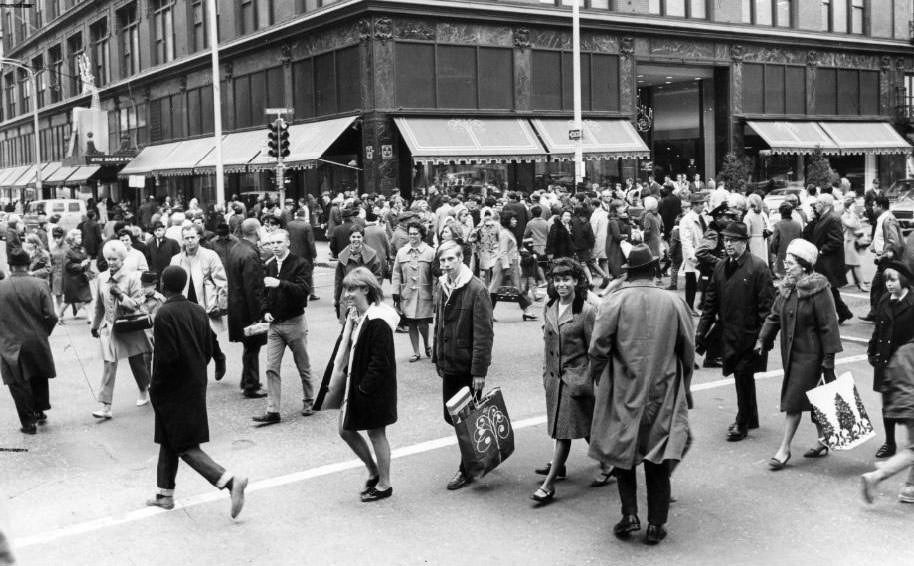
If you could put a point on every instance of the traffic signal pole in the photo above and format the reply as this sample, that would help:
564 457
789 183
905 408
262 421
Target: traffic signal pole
278 146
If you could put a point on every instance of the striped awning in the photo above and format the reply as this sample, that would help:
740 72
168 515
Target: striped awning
601 139
470 140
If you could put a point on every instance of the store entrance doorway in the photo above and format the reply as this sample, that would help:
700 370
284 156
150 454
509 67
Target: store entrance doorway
676 116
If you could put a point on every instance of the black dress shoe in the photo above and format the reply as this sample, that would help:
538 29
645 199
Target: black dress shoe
459 480
712 363
885 451
655 534
373 494
313 298
29 429
736 433
40 417
627 526
254 394
220 366
845 317
267 418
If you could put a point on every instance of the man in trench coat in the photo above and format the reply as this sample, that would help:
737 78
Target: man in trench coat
826 232
183 348
26 360
641 356
737 300
244 272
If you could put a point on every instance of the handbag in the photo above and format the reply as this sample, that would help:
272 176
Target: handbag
483 429
131 322
839 412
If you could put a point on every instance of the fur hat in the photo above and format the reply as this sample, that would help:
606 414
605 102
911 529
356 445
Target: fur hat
803 249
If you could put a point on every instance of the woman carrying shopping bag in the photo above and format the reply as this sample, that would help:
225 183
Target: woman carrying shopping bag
804 312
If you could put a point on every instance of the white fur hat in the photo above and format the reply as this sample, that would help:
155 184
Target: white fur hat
803 249
650 203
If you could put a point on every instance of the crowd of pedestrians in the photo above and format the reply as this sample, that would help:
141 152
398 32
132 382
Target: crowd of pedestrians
596 265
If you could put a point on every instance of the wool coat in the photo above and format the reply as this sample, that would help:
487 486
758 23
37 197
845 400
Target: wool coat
805 316
560 241
785 231
347 263
371 389
898 386
652 225
183 348
412 279
641 357
894 327
739 304
161 252
619 230
28 320
566 370
76 277
116 346
690 233
827 234
463 328
244 274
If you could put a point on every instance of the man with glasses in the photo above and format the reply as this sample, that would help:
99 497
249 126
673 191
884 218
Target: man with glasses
284 301
737 300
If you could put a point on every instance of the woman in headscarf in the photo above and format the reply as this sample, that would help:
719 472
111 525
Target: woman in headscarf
77 271
652 225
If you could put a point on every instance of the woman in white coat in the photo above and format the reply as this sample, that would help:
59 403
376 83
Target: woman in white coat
757 222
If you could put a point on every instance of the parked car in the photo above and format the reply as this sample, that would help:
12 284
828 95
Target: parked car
774 199
903 209
71 211
899 188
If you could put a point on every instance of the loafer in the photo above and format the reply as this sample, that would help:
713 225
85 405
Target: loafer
655 534
369 484
373 494
267 418
459 480
239 484
628 525
886 451
163 501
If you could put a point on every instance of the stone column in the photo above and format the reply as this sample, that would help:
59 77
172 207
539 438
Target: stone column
628 94
380 158
735 130
523 63
812 64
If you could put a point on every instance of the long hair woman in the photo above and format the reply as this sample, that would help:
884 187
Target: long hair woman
364 359
804 313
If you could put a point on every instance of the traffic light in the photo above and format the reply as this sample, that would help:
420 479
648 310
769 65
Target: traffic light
278 138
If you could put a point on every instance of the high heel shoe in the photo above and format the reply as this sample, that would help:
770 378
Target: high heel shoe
817 452
776 464
542 495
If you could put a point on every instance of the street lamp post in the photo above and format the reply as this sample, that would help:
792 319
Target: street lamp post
217 98
34 86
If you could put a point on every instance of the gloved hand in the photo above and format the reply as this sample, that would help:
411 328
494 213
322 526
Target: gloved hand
828 374
871 360
94 332
758 349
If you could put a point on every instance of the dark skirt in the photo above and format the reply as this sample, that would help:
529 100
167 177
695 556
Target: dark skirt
803 375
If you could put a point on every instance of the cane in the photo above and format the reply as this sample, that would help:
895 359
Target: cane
79 361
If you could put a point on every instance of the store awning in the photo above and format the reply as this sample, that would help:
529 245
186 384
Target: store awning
59 177
150 160
4 173
184 158
49 169
602 139
237 151
307 143
25 179
465 140
866 137
794 137
82 174
14 175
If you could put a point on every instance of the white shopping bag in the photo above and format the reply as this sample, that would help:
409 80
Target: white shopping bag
839 411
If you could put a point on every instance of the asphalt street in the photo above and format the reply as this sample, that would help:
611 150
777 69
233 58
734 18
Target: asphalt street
74 493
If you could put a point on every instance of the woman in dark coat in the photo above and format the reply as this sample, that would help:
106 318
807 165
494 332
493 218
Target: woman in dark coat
619 230
560 241
76 291
361 378
568 323
894 327
805 311
355 255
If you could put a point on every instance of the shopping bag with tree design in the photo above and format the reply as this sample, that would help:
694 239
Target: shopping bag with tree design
840 413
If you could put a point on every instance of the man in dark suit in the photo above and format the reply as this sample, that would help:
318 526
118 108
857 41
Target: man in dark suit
26 360
284 301
301 243
183 348
244 271
92 234
161 249
737 299
826 232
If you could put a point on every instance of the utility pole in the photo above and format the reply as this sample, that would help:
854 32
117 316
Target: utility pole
576 87
33 84
217 99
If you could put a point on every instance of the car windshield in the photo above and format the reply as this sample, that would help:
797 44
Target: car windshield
907 195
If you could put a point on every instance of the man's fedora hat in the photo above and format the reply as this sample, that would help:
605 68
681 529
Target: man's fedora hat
736 230
639 256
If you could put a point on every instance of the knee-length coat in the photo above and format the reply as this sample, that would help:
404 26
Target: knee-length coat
28 320
566 369
894 327
75 278
641 357
805 316
413 280
183 348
